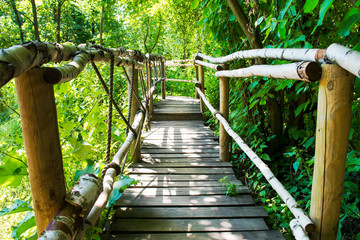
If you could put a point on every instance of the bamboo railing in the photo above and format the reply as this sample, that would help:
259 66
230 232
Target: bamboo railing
59 215
331 68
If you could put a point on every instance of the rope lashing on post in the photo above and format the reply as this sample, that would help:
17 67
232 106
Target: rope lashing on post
114 103
113 165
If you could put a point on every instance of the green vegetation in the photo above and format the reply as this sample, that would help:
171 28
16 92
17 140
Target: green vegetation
277 118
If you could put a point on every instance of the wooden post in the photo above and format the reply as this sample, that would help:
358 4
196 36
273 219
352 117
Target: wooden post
163 77
196 68
332 139
202 82
150 84
134 108
42 145
224 109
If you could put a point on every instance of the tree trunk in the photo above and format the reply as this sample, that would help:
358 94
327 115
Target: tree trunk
102 23
13 6
58 22
253 37
36 25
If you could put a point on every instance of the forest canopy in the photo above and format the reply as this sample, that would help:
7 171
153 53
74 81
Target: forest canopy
277 118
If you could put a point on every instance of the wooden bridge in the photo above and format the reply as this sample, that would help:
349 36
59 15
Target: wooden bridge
180 196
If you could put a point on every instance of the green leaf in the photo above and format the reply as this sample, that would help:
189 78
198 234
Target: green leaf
16 207
309 142
301 107
12 172
285 9
253 84
90 169
310 5
119 187
232 17
265 157
25 224
323 9
195 4
296 165
353 165
351 17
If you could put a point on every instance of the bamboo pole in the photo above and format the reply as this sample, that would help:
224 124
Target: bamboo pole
303 71
177 80
209 65
224 110
163 93
42 144
291 54
78 203
298 232
345 57
332 138
135 105
202 88
299 214
19 58
170 64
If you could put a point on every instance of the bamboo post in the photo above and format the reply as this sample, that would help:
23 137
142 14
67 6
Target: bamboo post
224 110
332 139
42 144
163 79
134 108
202 88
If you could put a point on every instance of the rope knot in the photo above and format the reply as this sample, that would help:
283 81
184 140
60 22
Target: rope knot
113 165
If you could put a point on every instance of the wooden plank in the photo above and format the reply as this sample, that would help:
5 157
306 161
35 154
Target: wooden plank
187 225
179 150
181 137
181 191
168 183
189 160
183 201
177 116
190 212
247 235
166 177
204 141
182 164
179 146
179 155
186 171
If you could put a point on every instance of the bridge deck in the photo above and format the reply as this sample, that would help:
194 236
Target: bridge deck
180 196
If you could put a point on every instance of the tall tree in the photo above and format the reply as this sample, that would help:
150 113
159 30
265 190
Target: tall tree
57 14
17 17
35 21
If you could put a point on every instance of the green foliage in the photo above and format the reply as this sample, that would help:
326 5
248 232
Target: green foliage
27 223
230 188
119 187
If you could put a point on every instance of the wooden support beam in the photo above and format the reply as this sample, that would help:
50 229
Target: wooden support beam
224 110
332 139
196 68
150 85
134 108
42 144
202 82
163 93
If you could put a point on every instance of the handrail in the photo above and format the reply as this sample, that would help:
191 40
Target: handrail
334 114
294 207
291 54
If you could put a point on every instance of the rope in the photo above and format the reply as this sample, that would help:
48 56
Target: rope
131 94
111 165
132 90
114 103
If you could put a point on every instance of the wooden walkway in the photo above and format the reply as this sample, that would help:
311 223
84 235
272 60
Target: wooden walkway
180 196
